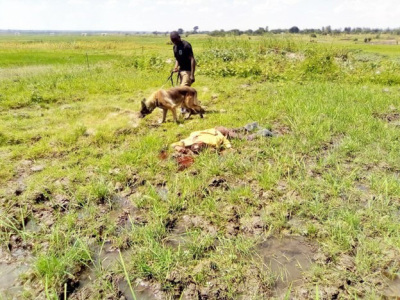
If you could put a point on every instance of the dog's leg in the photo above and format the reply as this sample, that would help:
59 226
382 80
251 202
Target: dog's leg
199 110
173 110
164 115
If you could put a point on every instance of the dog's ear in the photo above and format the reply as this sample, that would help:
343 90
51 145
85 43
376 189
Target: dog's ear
143 103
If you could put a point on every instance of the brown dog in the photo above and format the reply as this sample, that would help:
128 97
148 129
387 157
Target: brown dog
171 99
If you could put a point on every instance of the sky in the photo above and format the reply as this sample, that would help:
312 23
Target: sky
168 15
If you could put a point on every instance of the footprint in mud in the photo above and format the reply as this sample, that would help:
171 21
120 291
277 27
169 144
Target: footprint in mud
287 258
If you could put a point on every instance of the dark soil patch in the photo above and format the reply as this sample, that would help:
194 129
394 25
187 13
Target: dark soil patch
125 214
388 117
281 129
178 236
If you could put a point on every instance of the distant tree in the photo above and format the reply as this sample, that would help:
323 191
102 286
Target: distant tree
294 29
217 33
195 28
266 29
180 31
259 31
328 29
277 31
155 32
235 32
347 29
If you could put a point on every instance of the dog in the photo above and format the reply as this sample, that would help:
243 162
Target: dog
171 99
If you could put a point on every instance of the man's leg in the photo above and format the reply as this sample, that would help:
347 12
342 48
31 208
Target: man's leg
185 78
185 81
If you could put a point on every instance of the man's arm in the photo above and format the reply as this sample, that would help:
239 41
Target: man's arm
176 68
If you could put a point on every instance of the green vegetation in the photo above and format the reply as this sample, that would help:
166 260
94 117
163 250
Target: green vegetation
82 177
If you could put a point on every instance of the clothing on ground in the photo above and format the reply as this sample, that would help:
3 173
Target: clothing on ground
211 137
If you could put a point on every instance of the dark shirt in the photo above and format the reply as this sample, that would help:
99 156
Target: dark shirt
182 53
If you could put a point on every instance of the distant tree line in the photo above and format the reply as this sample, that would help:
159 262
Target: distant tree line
322 31
326 30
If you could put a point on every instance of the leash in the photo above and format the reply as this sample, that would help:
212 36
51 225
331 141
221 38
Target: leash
170 78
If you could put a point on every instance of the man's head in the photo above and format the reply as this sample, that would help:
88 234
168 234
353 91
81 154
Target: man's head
175 37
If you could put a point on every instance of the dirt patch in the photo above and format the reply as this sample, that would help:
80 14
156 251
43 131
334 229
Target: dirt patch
219 182
178 236
133 117
253 225
388 117
125 214
281 129
295 56
287 258
384 42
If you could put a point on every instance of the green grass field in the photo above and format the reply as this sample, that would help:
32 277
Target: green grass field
93 204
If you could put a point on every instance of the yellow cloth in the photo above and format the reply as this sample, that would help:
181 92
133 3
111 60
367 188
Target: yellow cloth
210 137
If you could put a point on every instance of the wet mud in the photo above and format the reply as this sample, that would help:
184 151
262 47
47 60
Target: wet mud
288 258
13 264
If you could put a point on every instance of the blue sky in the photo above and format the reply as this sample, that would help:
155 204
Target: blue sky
168 15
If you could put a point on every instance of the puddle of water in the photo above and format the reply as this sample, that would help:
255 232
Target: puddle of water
104 258
32 226
178 236
107 258
176 240
287 258
162 192
362 188
393 288
9 274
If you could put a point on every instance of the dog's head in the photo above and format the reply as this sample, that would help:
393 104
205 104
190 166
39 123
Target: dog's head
144 110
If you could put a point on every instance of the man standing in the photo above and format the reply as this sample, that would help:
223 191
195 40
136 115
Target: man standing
185 62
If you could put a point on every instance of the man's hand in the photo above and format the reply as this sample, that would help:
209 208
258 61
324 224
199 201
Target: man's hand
176 69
